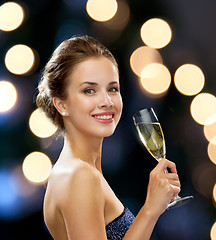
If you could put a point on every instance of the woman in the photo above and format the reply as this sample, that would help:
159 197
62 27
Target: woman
80 93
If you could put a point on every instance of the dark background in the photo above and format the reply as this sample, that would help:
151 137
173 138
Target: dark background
126 164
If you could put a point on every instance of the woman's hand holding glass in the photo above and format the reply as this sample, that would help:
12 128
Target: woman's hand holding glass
163 187
151 135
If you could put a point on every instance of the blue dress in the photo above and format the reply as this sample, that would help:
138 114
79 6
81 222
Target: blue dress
116 229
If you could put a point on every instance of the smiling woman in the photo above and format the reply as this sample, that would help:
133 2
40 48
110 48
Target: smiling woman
93 90
80 93
66 57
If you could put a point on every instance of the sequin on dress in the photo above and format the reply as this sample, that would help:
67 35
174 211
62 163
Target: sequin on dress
118 227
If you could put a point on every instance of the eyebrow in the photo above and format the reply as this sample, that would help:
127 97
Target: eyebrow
94 83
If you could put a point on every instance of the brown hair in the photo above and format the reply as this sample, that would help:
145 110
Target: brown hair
62 62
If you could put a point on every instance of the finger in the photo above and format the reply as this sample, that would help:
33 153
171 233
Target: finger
164 164
175 183
173 176
172 167
173 179
176 190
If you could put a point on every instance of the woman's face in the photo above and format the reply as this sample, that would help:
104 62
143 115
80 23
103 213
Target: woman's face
94 102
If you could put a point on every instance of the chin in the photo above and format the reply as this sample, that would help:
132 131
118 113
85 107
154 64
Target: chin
107 133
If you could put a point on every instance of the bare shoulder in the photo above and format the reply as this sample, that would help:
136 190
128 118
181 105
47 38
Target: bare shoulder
71 179
73 192
75 172
82 171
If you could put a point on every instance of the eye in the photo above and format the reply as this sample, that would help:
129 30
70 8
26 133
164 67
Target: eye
113 89
89 91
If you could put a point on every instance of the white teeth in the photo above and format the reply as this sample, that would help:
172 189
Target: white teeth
104 117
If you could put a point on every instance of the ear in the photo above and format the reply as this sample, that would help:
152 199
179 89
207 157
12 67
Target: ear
60 106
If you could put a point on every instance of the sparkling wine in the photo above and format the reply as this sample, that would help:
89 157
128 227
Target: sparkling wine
152 137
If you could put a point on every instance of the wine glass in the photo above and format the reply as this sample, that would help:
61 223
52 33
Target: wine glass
151 135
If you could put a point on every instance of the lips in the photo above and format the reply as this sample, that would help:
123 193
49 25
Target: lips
106 117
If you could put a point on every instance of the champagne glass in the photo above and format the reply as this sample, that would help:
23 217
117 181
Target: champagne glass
151 135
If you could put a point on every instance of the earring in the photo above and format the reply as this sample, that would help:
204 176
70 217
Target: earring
63 113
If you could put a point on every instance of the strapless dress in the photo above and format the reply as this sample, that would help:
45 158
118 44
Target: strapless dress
116 229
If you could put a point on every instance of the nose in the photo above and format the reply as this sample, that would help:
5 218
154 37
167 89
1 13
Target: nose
105 100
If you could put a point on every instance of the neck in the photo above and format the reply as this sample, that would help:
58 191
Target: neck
86 148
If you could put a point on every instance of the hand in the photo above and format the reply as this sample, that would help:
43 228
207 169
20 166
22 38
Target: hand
162 188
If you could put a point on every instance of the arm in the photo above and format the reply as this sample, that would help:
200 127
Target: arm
82 206
161 190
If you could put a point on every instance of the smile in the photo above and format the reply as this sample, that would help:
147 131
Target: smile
104 117
107 117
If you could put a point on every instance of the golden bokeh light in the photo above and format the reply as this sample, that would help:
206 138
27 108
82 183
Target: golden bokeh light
203 178
37 167
155 78
189 79
11 16
210 130
101 10
21 186
121 18
212 150
142 57
213 232
19 59
211 119
156 33
40 125
203 107
8 96
214 193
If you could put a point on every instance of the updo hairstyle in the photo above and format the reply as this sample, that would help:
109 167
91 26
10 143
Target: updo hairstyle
54 80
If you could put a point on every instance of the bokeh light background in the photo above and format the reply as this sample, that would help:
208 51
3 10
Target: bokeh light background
166 55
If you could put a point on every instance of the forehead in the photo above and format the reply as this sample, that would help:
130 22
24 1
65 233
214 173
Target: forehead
95 69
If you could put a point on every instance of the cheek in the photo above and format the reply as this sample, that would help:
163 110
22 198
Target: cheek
79 105
119 104
87 105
